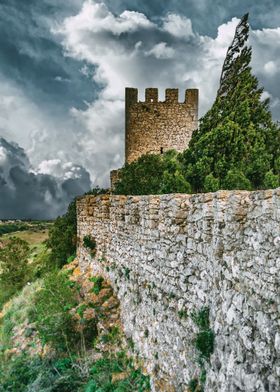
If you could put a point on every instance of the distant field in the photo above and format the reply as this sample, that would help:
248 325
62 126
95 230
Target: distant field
34 238
35 233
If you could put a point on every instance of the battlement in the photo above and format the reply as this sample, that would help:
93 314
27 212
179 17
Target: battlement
153 126
171 96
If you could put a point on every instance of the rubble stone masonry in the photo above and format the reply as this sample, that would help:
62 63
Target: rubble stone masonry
155 127
171 255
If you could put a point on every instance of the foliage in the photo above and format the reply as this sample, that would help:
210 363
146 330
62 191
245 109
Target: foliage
237 145
63 374
204 343
97 280
12 227
53 321
182 314
41 264
153 174
62 235
71 258
194 385
113 336
19 311
48 309
201 318
15 226
14 267
33 374
90 243
45 306
102 372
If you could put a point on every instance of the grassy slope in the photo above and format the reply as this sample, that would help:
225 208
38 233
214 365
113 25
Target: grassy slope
24 359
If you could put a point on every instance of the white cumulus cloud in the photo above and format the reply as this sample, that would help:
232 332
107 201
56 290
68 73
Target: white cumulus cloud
161 51
178 25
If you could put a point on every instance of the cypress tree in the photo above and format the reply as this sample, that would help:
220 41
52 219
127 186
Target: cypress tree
237 145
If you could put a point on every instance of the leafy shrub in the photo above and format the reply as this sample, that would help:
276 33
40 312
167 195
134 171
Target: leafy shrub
54 323
113 336
204 343
71 258
41 264
201 318
17 375
14 267
271 180
63 234
97 280
33 374
19 311
153 174
53 320
102 375
235 179
194 385
211 183
64 374
90 243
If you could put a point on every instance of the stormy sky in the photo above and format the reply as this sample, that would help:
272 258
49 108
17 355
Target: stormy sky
63 70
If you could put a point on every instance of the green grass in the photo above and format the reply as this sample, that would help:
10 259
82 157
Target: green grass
20 309
103 370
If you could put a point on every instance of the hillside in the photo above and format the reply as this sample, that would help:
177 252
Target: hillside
61 331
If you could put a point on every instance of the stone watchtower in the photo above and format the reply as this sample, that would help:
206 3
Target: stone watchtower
153 127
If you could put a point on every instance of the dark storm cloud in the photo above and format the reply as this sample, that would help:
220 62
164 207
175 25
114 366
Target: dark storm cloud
206 15
27 194
34 60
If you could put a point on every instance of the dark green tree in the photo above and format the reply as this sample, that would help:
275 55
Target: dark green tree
237 145
153 174
14 268
63 234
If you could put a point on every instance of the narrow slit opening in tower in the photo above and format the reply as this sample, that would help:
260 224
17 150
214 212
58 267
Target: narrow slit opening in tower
161 150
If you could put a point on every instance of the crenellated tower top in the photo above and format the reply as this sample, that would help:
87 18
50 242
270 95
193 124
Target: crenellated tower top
155 126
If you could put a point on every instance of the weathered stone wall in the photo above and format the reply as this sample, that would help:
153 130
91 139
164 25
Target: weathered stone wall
168 256
114 177
155 127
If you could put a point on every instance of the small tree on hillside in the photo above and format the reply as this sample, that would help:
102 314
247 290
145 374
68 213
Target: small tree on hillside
237 145
14 267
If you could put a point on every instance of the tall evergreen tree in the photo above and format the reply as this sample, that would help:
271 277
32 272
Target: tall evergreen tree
237 145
